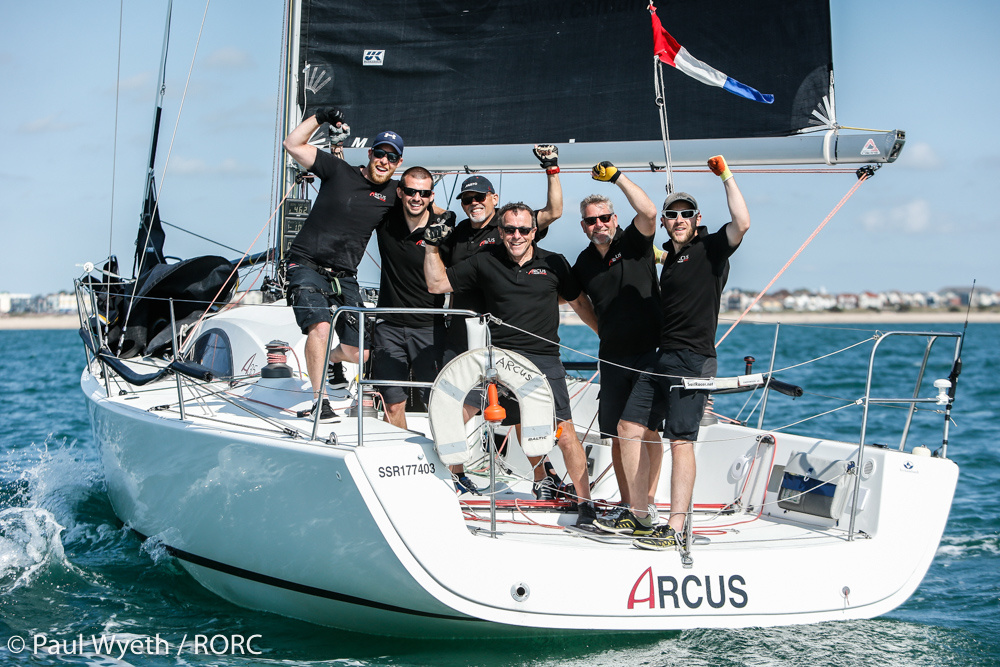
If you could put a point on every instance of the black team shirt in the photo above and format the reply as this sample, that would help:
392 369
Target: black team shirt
623 286
691 284
403 284
347 210
525 296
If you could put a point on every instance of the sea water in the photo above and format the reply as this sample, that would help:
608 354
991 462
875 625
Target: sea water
72 575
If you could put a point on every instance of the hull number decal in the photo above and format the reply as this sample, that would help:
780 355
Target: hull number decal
410 469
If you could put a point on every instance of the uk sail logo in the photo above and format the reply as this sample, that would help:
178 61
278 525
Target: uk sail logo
374 57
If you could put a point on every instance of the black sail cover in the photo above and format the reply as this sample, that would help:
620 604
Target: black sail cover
487 72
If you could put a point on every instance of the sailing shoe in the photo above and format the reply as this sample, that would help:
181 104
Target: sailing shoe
663 537
465 485
545 489
615 512
326 413
337 380
586 513
654 516
626 523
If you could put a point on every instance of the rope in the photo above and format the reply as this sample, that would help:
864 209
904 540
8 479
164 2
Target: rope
236 267
861 179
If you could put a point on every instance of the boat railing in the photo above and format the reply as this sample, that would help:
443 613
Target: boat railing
945 397
362 313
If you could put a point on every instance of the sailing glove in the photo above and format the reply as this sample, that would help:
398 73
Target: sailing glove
605 171
548 157
329 115
338 135
439 228
719 167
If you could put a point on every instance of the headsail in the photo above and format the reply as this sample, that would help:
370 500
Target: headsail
475 82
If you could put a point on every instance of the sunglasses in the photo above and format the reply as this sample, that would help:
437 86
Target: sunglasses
510 230
686 213
592 220
378 154
477 197
412 192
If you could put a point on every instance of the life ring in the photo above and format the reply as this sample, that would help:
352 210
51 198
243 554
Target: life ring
466 372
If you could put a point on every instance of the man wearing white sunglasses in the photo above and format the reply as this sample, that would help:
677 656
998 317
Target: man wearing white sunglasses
694 274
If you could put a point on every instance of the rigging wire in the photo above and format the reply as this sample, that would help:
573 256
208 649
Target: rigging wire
862 177
114 143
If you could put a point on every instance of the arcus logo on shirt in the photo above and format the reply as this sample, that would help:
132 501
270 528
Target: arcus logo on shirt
378 195
614 259
683 258
538 272
489 241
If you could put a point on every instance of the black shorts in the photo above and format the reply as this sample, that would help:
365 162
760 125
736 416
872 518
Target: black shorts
551 367
311 295
684 407
616 387
398 349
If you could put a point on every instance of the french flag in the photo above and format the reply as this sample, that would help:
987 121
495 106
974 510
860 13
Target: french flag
669 51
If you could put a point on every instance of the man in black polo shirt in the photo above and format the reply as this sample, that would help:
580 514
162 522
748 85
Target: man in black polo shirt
406 340
691 283
522 285
618 272
323 259
478 232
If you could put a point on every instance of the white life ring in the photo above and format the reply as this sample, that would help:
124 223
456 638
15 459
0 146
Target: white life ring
466 372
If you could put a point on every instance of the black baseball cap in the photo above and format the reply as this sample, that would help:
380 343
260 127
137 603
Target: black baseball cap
476 184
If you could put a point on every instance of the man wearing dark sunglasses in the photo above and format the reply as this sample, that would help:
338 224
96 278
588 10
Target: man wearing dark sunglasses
323 259
618 272
479 232
523 285
405 341
694 274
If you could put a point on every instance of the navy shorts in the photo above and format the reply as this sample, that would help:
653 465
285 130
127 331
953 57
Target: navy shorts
616 387
311 295
684 407
551 367
398 349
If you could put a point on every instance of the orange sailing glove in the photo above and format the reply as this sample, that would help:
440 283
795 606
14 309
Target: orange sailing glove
719 167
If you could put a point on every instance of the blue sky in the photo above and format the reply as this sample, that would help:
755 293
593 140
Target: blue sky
926 222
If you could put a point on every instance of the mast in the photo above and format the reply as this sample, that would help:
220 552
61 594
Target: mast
149 243
291 117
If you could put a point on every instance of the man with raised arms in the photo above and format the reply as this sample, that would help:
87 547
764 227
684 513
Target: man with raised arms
405 341
522 285
323 259
694 274
618 272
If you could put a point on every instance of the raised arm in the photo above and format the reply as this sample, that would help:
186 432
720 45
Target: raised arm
548 156
583 307
734 198
436 231
297 142
645 210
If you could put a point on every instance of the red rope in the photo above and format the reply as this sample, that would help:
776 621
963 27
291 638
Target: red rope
861 179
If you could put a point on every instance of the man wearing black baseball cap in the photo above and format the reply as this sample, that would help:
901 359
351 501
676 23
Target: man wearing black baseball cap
323 259
694 274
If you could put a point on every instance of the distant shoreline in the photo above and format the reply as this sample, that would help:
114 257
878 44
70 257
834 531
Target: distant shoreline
51 322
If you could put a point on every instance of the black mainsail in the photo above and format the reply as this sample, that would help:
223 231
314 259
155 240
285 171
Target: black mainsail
471 83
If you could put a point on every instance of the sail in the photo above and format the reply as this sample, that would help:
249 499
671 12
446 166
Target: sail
466 82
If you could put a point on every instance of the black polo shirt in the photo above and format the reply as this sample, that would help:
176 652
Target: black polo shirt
623 286
691 286
525 296
403 284
347 210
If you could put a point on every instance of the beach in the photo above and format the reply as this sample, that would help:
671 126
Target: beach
882 318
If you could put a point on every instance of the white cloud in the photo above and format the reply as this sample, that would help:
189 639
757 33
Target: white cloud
228 58
919 156
911 218
46 124
197 167
140 81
